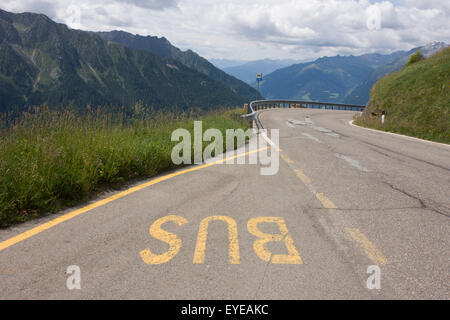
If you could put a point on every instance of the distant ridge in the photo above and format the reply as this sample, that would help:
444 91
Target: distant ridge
163 48
361 93
43 62
344 79
247 71
325 79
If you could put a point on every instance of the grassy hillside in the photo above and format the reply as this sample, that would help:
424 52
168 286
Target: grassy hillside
361 93
52 159
416 100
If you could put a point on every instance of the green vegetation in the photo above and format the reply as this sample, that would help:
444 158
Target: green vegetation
416 57
416 100
53 159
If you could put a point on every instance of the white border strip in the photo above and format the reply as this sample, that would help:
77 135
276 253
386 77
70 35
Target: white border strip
400 135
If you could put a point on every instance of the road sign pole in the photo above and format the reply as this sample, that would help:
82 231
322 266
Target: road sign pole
258 80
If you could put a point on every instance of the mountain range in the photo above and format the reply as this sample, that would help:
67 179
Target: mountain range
341 79
162 47
325 79
361 93
247 71
225 63
44 62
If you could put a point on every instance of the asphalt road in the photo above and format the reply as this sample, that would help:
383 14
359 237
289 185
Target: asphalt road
344 199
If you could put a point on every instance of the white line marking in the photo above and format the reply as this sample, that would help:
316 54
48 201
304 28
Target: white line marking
324 130
400 135
290 124
352 162
311 137
308 122
333 134
293 121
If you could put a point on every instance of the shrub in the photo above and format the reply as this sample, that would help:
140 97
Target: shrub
415 57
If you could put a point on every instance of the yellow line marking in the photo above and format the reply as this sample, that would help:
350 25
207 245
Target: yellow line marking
286 158
372 252
302 176
327 203
324 200
47 225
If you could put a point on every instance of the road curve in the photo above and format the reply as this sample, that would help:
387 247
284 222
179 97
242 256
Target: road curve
350 198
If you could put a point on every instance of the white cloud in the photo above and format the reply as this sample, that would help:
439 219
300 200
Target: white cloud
151 4
244 29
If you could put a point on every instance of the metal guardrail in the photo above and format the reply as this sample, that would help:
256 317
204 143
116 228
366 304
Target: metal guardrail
268 104
257 105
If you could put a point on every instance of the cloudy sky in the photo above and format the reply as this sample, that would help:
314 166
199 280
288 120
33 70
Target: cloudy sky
250 30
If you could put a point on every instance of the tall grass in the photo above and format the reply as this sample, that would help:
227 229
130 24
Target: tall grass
53 159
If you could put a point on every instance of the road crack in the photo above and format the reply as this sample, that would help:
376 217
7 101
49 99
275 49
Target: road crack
423 204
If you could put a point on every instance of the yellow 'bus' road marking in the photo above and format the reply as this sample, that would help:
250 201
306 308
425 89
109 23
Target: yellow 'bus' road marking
372 252
200 248
170 238
47 225
262 238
